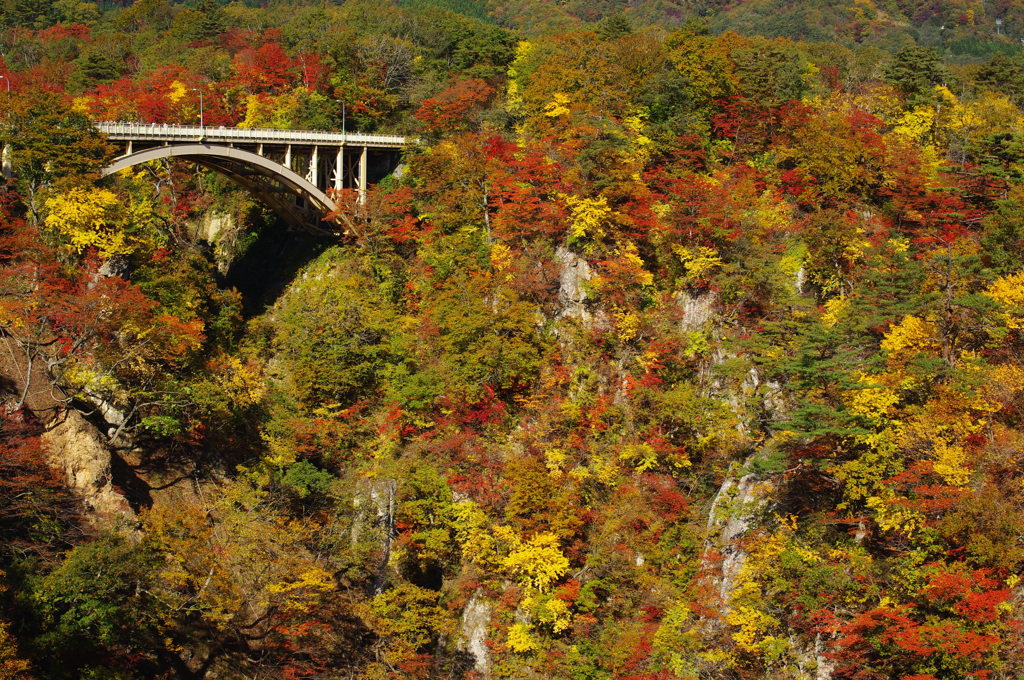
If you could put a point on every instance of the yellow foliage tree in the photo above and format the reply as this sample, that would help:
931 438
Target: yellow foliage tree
87 217
910 337
409 616
588 217
1009 292
753 628
558 106
700 262
536 563
243 382
520 638
266 111
177 91
237 559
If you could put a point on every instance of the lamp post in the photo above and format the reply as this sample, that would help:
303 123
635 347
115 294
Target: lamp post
342 102
201 119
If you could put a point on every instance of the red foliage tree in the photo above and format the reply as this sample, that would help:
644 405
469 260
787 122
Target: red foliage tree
263 69
456 107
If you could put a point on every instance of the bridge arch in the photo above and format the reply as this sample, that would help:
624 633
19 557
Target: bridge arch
270 181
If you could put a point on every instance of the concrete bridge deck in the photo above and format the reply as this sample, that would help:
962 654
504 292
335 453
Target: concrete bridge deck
159 132
306 164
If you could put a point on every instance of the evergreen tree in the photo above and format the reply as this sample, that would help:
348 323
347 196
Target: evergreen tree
96 67
916 70
1003 74
28 13
614 26
213 21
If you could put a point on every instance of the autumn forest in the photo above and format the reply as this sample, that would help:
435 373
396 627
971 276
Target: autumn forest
684 342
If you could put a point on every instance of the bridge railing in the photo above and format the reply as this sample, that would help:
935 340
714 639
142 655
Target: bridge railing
165 132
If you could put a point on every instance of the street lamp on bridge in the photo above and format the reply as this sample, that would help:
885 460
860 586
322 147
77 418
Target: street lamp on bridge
342 102
201 118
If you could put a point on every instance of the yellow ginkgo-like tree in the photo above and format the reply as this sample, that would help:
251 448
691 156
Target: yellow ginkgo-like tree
95 218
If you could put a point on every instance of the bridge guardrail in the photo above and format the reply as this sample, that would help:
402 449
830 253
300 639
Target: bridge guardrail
159 131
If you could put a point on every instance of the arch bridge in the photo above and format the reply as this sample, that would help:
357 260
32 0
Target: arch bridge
292 171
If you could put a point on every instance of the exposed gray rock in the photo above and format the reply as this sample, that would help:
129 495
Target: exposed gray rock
115 266
74 446
6 167
800 283
733 513
374 504
221 230
112 415
212 225
473 626
573 276
825 666
770 393
698 309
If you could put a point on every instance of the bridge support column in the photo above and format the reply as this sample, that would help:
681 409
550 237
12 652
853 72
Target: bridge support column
128 147
363 160
339 169
259 149
314 166
288 156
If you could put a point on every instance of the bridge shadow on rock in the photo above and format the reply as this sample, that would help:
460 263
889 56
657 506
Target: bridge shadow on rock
266 268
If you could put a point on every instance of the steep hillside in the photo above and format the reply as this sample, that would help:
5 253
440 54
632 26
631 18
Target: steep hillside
663 355
965 31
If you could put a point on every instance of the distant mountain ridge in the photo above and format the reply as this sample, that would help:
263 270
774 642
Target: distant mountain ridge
958 28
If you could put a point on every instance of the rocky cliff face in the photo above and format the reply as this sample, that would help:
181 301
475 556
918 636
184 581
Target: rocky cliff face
74 444
475 618
573 277
78 448
732 515
374 521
